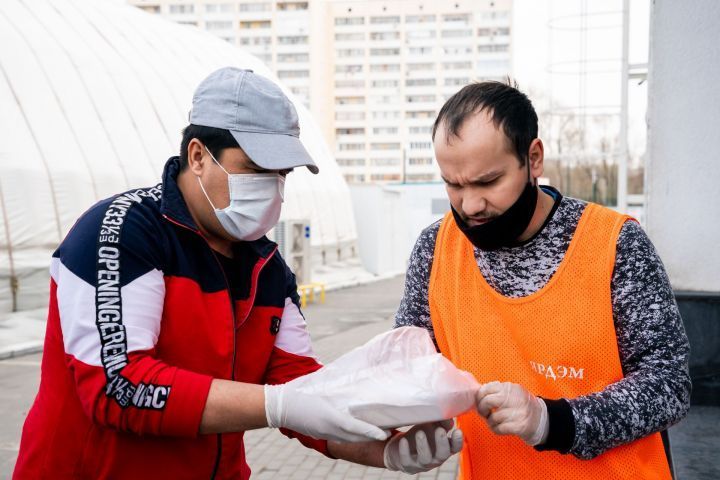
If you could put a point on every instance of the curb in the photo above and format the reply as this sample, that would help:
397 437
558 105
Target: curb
21 349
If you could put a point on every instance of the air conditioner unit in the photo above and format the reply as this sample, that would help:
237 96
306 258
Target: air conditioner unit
293 239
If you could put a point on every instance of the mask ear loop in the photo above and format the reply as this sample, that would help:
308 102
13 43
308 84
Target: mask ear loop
215 160
200 181
206 195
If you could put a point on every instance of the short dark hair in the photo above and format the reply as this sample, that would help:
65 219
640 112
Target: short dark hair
511 110
215 139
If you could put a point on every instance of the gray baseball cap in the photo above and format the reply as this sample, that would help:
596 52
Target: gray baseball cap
257 113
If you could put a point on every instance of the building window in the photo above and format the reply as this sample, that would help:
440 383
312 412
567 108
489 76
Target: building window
302 92
384 161
293 57
425 129
293 40
420 177
383 99
419 34
375 52
350 21
457 17
385 130
456 50
290 6
355 178
349 131
420 98
420 161
384 83
255 7
255 40
385 177
349 100
420 50
384 20
348 68
349 83
456 81
220 7
491 32
350 52
255 24
385 67
149 8
456 33
182 9
348 37
351 146
385 146
351 162
293 73
420 114
420 145
349 115
420 82
384 35
419 18
218 25
386 115
492 47
414 67
457 65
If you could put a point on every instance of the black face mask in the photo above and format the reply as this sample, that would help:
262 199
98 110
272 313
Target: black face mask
504 230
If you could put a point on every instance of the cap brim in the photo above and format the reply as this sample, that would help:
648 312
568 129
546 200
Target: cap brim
275 151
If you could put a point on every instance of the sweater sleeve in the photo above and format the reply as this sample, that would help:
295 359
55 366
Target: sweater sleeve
654 350
110 296
414 307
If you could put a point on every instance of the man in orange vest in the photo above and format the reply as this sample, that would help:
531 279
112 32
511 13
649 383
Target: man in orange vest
560 308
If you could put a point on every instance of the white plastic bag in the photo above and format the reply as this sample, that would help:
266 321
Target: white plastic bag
396 379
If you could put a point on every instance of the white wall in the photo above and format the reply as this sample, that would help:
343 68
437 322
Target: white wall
683 170
390 218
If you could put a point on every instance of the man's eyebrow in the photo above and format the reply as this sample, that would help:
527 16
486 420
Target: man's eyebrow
486 176
479 179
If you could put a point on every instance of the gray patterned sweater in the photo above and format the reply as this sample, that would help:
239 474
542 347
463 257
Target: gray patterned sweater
654 349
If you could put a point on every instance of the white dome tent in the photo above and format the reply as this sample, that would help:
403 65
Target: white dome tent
94 95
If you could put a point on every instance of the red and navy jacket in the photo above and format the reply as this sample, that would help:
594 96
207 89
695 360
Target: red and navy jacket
141 319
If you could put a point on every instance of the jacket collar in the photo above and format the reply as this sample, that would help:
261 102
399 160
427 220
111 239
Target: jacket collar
173 207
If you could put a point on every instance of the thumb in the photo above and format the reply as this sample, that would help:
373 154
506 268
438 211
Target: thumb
456 441
364 429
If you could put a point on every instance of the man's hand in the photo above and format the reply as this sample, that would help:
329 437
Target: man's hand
509 409
423 447
287 407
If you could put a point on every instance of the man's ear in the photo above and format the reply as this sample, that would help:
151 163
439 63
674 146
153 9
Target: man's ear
536 157
196 156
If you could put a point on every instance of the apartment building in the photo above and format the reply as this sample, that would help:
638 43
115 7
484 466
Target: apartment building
374 73
395 64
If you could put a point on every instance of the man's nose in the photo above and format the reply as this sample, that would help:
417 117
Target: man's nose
474 205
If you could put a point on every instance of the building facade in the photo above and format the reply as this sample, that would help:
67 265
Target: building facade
373 73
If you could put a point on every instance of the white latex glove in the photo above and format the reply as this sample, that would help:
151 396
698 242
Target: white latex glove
423 447
286 407
509 409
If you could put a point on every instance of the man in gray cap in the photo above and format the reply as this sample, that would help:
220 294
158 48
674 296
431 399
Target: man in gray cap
174 326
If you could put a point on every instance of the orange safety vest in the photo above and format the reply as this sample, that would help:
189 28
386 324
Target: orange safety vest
558 342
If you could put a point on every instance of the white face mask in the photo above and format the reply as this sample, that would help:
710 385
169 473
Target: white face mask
255 203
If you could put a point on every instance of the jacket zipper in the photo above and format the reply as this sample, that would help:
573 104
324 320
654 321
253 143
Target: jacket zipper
253 292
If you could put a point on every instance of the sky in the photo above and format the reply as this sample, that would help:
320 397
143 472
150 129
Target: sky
548 50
